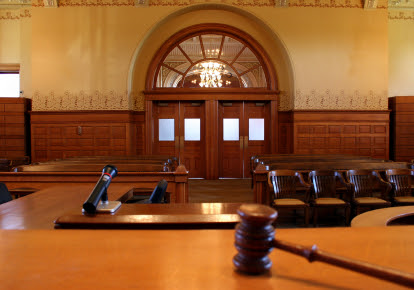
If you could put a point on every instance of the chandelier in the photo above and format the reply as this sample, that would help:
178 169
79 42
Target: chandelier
211 74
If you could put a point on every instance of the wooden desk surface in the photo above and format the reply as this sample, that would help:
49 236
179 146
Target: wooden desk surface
191 259
39 211
381 217
157 216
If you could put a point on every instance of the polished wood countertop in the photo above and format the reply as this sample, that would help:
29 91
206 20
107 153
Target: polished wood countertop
63 204
192 259
157 216
40 209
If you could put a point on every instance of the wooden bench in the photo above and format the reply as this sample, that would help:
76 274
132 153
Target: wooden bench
284 158
92 167
334 165
172 160
169 161
6 164
136 175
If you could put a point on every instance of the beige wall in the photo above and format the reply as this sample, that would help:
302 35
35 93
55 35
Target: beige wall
401 54
10 40
84 57
15 43
340 57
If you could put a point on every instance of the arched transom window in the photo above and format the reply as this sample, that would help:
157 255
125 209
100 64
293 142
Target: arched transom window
211 61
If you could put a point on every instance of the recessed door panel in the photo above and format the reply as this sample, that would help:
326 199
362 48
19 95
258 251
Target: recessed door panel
192 137
166 128
230 139
256 135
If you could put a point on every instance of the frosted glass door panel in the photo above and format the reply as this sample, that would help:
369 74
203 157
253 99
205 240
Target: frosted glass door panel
166 129
192 129
231 129
256 129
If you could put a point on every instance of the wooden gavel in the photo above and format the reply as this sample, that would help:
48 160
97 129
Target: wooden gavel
255 240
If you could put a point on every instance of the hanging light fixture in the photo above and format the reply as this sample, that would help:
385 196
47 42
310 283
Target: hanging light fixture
211 74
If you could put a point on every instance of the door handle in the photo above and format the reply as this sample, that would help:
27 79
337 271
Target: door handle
241 142
246 141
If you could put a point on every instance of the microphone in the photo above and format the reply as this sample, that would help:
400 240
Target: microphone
99 191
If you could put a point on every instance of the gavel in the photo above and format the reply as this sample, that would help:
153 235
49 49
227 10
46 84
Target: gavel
254 240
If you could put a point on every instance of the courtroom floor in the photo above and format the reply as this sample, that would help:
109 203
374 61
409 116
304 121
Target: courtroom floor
221 190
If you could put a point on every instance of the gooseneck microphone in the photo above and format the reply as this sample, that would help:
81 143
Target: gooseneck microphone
99 191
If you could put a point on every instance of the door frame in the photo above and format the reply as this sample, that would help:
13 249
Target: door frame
211 98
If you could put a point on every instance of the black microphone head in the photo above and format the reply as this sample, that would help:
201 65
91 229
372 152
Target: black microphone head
89 207
111 170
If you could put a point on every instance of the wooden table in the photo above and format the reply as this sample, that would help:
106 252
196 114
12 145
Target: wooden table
384 216
64 203
191 259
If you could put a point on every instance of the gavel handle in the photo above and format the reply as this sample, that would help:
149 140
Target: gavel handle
314 254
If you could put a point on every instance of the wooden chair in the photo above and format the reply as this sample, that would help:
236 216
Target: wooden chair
284 184
324 184
365 187
401 181
157 195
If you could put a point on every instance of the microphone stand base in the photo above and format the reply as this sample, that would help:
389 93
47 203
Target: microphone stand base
107 207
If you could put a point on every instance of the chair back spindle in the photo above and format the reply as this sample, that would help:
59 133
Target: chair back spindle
324 183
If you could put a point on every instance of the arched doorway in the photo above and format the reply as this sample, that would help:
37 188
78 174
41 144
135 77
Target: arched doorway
211 100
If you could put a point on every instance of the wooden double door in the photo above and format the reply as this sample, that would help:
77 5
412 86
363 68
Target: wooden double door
243 131
213 139
179 130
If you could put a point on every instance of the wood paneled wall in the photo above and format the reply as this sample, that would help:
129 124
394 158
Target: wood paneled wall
364 133
14 127
78 133
66 134
402 128
285 135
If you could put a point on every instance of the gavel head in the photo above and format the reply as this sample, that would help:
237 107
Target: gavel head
254 238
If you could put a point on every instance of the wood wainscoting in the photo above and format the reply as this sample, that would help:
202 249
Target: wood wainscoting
364 133
63 134
402 128
14 127
285 135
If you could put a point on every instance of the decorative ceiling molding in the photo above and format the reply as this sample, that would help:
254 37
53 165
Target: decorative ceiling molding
401 14
282 3
370 4
15 4
366 4
242 3
50 3
14 14
141 3
401 4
